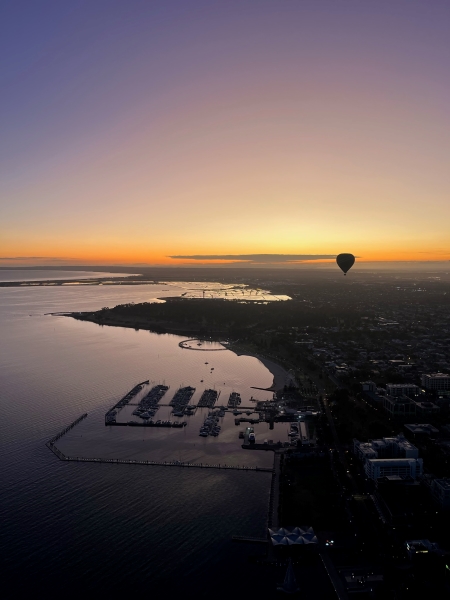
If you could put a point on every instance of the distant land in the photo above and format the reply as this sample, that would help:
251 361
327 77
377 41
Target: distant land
234 274
193 268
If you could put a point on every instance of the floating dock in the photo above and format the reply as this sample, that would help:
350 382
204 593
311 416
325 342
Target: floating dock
208 399
112 412
182 398
234 400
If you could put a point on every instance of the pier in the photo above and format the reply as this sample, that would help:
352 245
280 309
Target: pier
221 406
66 429
184 344
175 463
175 424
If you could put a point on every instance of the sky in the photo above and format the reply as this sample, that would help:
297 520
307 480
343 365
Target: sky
139 132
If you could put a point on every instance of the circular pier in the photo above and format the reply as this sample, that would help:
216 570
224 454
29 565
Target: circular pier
202 345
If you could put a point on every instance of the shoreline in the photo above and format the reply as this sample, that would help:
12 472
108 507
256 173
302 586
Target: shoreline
109 281
280 376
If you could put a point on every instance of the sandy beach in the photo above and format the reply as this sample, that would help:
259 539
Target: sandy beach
280 376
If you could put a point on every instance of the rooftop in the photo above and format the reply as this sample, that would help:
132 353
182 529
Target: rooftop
443 483
421 428
436 375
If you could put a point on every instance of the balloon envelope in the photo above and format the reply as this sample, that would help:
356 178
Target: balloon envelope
345 262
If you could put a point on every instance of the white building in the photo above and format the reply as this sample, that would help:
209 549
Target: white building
392 447
399 406
401 389
402 467
436 381
364 450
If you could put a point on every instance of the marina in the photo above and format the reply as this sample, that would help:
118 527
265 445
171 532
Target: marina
149 403
51 445
188 429
208 436
80 369
187 426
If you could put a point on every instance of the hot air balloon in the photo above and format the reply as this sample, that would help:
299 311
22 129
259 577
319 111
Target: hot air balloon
345 262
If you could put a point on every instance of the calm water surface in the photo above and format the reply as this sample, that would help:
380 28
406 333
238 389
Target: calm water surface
45 274
102 527
107 529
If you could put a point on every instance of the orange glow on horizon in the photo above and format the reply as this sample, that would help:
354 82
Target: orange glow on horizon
142 259
300 130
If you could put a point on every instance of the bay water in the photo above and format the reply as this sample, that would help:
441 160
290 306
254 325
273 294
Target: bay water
102 528
110 529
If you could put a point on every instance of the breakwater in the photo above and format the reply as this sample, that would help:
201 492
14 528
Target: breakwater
175 463
124 461
176 424
66 429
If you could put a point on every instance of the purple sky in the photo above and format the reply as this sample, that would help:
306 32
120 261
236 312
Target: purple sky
292 127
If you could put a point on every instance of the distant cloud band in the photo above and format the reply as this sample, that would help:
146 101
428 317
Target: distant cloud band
32 258
257 258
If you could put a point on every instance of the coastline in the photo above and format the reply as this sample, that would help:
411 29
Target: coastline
157 326
280 376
